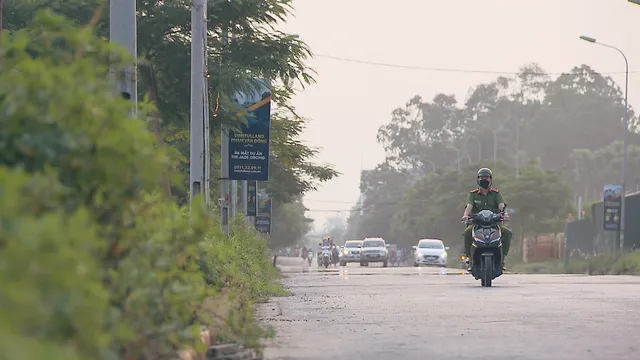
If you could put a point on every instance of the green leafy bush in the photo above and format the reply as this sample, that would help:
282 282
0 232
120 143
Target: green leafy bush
606 264
95 262
52 303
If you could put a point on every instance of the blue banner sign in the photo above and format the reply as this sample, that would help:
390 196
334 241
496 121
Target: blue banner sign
612 207
249 149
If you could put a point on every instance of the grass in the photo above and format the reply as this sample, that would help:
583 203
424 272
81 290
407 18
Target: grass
610 264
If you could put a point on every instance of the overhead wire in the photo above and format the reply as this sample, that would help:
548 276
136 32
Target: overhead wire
468 71
426 68
364 208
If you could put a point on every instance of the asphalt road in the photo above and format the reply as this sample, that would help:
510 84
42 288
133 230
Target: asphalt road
429 313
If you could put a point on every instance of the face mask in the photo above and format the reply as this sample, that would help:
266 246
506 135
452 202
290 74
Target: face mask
484 183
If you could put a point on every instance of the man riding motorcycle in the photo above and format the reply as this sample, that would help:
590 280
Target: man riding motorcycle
335 254
326 241
485 198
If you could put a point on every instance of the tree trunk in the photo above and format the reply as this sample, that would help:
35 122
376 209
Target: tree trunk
149 78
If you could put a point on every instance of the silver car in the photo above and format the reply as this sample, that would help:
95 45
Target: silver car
350 252
430 252
374 250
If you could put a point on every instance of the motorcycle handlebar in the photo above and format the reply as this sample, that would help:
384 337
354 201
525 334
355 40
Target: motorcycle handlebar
471 222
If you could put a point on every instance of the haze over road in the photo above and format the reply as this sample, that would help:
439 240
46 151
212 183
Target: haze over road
408 313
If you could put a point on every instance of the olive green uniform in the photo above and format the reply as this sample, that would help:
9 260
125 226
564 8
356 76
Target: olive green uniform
480 202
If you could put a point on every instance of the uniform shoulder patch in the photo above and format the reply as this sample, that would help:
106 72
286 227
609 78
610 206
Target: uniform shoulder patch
494 190
475 191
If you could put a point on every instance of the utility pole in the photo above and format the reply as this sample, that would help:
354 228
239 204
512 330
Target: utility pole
224 179
518 148
625 125
244 186
457 154
122 30
224 164
243 199
234 197
205 109
495 147
477 142
196 154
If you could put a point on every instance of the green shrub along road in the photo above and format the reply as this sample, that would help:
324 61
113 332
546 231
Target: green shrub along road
96 261
611 264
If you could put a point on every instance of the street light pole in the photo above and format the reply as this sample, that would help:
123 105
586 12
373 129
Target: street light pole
458 154
196 148
623 171
479 145
468 157
517 148
495 146
433 166
123 30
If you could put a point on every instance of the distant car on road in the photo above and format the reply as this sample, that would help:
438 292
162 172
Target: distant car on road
430 252
374 250
350 252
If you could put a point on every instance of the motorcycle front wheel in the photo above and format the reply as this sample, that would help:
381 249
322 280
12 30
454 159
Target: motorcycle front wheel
487 275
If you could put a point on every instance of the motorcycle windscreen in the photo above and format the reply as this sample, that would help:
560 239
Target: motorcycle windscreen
487 234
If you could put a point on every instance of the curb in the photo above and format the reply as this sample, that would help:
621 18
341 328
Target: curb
231 352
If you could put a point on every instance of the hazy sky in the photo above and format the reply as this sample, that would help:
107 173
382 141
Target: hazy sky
351 101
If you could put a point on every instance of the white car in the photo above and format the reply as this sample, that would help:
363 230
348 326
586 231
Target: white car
374 250
430 252
350 252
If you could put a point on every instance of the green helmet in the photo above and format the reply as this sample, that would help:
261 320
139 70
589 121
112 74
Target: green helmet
484 183
485 172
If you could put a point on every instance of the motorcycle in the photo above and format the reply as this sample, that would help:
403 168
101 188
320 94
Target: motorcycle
310 257
335 258
464 262
486 249
393 260
326 256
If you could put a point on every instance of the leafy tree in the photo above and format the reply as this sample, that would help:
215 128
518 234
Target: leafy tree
289 224
242 44
594 169
381 189
420 129
541 200
569 124
582 109
96 263
433 206
336 228
52 304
